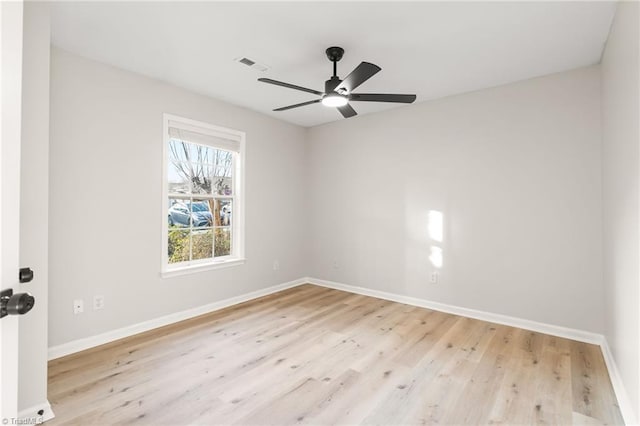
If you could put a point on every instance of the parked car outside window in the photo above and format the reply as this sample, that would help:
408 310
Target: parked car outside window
196 214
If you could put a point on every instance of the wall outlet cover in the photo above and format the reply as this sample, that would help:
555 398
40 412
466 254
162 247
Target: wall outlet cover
98 302
78 306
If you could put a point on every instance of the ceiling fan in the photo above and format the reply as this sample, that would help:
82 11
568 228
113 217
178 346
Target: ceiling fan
338 93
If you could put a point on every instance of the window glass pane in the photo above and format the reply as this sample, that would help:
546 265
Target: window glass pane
178 150
200 178
222 212
202 241
202 154
178 245
178 175
222 172
201 213
190 168
222 185
179 214
223 242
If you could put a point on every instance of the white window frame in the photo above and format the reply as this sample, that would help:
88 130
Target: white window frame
237 222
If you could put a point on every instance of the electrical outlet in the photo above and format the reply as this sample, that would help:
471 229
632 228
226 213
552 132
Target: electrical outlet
433 279
78 306
276 265
98 302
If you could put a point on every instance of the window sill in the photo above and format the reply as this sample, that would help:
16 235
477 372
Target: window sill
192 269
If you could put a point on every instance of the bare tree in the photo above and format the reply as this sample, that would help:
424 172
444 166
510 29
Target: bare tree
203 166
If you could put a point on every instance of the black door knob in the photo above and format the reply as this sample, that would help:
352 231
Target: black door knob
20 304
15 304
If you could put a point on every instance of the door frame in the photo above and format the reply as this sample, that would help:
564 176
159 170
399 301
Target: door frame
11 37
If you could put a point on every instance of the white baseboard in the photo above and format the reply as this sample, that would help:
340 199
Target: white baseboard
31 416
554 330
618 385
110 336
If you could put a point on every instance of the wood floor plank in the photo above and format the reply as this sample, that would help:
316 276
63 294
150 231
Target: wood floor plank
514 401
484 382
313 355
589 377
439 393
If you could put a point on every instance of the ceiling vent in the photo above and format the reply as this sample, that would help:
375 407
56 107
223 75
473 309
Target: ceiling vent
252 64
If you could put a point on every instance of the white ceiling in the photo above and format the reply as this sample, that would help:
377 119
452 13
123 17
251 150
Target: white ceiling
432 49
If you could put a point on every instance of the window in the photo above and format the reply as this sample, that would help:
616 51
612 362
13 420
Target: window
202 196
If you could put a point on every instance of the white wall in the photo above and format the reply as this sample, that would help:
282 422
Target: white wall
34 216
514 169
105 193
621 187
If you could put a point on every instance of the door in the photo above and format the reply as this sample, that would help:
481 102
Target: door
10 122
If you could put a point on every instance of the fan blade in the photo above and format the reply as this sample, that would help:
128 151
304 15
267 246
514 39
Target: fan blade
347 111
298 105
290 86
382 97
362 73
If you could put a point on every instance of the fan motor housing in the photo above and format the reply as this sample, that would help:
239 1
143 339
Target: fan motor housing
331 84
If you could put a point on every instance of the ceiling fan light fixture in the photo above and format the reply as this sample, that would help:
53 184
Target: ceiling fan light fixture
334 100
339 93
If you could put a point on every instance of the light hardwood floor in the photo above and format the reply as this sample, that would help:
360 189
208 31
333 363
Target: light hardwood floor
319 356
